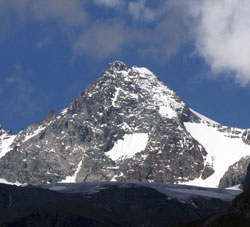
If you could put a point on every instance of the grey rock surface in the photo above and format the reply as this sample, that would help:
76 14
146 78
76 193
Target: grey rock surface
123 101
246 136
126 126
235 174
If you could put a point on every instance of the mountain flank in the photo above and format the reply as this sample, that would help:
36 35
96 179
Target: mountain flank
126 126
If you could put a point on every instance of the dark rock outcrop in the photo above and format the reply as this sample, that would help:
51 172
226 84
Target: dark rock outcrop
236 214
236 173
246 182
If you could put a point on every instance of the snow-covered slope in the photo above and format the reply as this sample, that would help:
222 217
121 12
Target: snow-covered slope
6 139
224 146
128 146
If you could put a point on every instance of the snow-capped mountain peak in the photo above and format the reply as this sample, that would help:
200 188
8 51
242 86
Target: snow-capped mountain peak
126 126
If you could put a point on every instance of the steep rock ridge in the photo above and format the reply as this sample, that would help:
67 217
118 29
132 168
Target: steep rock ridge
123 103
126 126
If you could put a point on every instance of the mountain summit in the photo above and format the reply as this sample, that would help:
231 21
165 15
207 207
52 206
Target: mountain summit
126 126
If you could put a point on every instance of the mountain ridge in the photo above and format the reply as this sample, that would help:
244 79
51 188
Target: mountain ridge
84 141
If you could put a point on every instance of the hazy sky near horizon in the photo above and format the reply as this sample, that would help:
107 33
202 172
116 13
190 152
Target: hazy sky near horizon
50 50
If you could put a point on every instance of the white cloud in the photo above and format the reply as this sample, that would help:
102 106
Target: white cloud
101 40
223 36
140 11
110 3
20 83
219 28
65 11
70 13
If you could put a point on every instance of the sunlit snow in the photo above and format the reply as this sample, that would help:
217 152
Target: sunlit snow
72 179
116 96
168 112
143 70
36 132
204 118
223 151
129 146
235 187
5 143
3 181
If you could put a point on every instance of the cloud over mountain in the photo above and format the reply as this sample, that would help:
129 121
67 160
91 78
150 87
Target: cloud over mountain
222 36
219 30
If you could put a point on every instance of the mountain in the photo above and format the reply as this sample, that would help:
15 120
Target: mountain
108 204
126 126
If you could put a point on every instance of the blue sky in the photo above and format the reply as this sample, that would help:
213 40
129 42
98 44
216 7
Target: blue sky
50 50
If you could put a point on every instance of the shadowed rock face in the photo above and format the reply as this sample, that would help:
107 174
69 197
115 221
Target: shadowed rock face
246 182
123 101
104 205
236 214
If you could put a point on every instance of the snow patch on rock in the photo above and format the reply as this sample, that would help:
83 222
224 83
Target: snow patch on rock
3 181
129 146
168 112
235 187
72 179
143 70
36 132
5 143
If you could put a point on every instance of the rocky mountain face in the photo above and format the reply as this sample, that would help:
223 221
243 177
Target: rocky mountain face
126 126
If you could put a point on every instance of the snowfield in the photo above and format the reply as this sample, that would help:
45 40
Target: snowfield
129 146
222 150
5 143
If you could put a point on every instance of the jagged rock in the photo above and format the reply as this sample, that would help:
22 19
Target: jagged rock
235 174
50 115
207 172
246 136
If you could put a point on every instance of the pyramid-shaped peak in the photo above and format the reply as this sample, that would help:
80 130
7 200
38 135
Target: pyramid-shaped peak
117 66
